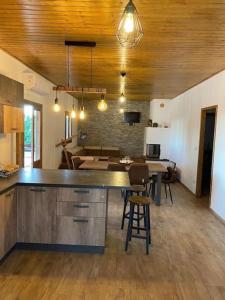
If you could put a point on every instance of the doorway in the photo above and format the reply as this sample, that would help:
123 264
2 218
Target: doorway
206 151
32 135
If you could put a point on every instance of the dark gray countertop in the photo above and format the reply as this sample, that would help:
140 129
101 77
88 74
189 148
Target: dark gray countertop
67 178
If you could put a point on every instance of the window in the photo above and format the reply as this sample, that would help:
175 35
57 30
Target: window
68 126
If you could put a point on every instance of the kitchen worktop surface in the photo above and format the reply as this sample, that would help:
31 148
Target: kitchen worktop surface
66 178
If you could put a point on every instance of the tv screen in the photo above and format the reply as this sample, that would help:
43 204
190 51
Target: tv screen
132 117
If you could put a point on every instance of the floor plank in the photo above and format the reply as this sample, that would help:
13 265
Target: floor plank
186 260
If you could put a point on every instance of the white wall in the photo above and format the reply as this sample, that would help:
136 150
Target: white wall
156 135
53 123
160 115
185 113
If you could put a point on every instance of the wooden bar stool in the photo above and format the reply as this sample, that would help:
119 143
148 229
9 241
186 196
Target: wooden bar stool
145 203
137 189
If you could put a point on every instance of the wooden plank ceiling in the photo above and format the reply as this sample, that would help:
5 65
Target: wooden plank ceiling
183 43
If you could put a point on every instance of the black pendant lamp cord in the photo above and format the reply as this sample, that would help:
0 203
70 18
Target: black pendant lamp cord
91 68
68 66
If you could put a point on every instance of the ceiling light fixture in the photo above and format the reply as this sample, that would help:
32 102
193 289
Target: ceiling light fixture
130 31
102 104
69 88
56 105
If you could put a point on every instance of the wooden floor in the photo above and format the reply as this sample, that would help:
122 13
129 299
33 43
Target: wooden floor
187 260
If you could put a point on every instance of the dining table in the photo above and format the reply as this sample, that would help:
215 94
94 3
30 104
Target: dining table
156 169
94 165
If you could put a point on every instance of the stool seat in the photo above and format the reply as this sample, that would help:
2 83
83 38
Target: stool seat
141 200
137 188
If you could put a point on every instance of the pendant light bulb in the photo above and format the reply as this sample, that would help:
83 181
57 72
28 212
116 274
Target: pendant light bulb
121 110
73 112
129 23
102 104
122 98
56 107
82 113
129 31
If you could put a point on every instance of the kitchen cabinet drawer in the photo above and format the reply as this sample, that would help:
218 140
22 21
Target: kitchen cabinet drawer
81 195
81 209
80 231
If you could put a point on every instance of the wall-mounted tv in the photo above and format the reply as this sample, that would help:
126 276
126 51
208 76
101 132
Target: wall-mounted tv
132 117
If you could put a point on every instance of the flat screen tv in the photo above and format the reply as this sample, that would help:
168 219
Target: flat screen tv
132 117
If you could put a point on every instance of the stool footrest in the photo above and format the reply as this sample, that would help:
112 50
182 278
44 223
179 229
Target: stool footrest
138 236
139 228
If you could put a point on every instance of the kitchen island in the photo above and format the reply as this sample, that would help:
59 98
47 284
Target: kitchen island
62 210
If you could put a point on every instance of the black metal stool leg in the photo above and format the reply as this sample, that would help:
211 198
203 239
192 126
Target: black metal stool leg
138 219
124 207
144 212
149 225
165 189
147 230
130 224
171 198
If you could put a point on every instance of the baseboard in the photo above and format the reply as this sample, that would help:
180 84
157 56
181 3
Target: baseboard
217 216
7 254
60 248
186 188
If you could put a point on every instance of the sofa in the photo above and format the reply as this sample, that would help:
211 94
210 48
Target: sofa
88 152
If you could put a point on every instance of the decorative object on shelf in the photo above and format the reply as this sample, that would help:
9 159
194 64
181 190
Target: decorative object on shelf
155 125
102 104
122 98
130 31
73 113
150 123
56 105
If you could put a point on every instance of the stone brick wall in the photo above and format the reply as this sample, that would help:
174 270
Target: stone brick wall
109 129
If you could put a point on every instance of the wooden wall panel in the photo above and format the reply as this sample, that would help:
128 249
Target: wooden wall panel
183 43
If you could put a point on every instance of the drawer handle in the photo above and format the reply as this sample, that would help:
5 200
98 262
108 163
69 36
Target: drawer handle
38 190
81 191
80 221
14 128
81 206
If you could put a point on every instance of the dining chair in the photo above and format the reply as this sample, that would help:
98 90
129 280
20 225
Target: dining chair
167 179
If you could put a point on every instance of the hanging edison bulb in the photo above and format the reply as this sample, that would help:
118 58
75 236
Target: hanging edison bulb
73 112
122 98
102 104
56 106
130 31
82 113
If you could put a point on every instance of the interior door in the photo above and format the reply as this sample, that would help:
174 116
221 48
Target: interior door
37 136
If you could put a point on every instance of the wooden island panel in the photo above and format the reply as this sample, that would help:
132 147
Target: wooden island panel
36 207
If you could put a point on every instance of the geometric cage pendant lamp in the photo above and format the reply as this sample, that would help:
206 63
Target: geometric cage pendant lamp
130 31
